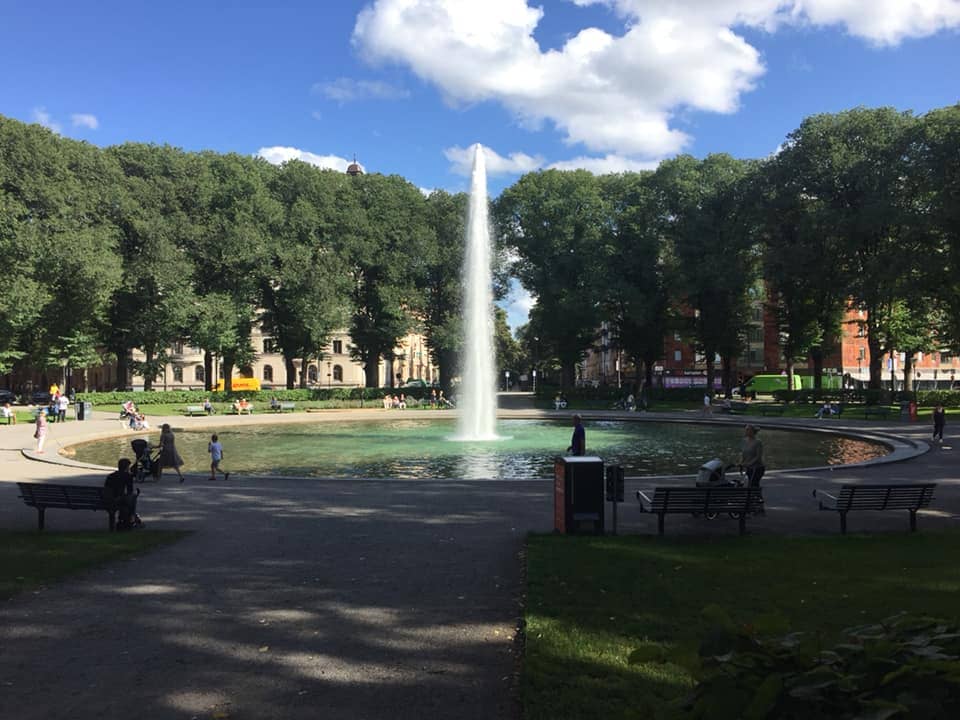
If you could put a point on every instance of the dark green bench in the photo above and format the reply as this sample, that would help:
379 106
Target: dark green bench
282 406
911 497
737 502
66 497
195 410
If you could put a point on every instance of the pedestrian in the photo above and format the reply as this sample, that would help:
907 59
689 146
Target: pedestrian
216 455
578 441
169 457
122 498
939 420
751 457
707 407
9 413
63 402
41 432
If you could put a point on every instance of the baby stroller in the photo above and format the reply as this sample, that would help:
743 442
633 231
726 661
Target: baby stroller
145 466
714 473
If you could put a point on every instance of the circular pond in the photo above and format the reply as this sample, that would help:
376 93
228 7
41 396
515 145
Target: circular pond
420 448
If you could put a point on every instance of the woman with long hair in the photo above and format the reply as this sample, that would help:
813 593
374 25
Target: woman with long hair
169 457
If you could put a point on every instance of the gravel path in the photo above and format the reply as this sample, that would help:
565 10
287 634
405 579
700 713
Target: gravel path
325 599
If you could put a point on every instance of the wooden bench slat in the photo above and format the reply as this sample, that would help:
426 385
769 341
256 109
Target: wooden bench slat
65 497
873 497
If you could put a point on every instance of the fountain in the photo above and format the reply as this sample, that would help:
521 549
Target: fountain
477 401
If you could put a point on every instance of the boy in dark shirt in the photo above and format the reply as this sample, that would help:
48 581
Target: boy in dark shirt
119 486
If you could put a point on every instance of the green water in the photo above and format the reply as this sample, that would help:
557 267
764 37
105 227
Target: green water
411 448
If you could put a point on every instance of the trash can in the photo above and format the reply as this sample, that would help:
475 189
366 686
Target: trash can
578 492
84 410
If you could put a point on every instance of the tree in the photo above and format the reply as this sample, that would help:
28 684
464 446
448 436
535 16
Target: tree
552 220
304 289
717 262
443 302
382 238
636 276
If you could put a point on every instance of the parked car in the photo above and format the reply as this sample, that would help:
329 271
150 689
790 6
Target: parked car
7 396
40 397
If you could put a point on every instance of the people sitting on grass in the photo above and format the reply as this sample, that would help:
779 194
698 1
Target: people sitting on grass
402 402
387 401
244 406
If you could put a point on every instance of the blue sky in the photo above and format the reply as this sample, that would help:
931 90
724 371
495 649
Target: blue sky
407 84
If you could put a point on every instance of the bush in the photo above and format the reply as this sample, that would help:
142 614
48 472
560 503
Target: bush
902 667
947 398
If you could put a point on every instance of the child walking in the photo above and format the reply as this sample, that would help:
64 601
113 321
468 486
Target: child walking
216 455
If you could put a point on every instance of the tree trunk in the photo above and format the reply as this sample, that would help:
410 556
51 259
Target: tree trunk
147 379
711 370
727 375
209 382
123 367
304 366
908 371
876 360
227 364
371 369
816 354
568 375
290 367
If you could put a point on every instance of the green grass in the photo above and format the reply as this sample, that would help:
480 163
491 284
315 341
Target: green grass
32 559
591 601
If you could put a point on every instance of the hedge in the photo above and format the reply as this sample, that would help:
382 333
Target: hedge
196 397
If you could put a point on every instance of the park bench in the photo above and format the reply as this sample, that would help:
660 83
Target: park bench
736 501
911 497
283 405
766 410
876 410
195 410
68 497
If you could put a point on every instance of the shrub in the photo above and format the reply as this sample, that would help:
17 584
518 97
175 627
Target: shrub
947 398
901 667
195 397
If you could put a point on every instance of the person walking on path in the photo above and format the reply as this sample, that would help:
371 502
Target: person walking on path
216 455
707 406
578 442
169 457
41 432
939 420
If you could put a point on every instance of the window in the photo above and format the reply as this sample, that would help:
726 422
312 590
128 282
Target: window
755 335
757 314
177 374
268 373
338 347
178 347
754 357
863 353
198 374
337 373
268 346
312 374
676 336
677 355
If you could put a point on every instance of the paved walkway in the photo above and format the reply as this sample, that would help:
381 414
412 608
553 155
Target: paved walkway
325 599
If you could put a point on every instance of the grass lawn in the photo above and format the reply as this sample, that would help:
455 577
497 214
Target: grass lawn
591 601
31 559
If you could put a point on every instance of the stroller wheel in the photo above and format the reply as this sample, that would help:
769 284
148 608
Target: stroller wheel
711 516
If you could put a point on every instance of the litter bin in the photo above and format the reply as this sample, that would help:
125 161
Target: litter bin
578 491
84 410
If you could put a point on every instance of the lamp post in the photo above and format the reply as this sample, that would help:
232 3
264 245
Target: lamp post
329 374
506 375
534 381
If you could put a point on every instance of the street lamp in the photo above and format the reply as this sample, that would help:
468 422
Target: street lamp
534 381
329 374
506 375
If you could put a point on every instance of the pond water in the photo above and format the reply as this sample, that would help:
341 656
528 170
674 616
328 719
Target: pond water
414 448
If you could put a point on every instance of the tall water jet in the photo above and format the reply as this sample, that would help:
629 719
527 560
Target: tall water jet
477 400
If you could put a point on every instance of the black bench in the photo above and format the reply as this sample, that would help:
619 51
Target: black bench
283 405
912 497
766 410
878 410
736 501
67 497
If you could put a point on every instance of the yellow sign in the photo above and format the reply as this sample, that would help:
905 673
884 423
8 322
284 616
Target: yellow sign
240 384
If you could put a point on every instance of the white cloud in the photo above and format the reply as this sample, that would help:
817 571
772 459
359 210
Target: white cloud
278 154
605 165
85 120
518 304
345 90
615 94
42 117
516 163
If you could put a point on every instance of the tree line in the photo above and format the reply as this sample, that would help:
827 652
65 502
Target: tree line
856 210
137 245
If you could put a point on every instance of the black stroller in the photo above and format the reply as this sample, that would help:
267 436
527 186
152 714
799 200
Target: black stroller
145 466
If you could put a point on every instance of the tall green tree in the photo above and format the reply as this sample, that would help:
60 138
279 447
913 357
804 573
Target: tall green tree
717 261
553 221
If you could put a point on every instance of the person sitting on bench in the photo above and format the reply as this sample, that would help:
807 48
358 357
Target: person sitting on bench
123 497
827 409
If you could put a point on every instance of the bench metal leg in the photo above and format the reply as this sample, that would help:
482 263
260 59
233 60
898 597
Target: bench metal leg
843 523
913 521
660 517
743 522
40 514
112 520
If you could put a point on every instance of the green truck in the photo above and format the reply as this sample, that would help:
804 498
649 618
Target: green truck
768 384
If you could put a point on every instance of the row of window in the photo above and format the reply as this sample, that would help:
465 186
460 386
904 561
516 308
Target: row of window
269 347
312 373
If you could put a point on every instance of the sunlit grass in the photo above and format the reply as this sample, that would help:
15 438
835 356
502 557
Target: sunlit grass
591 601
